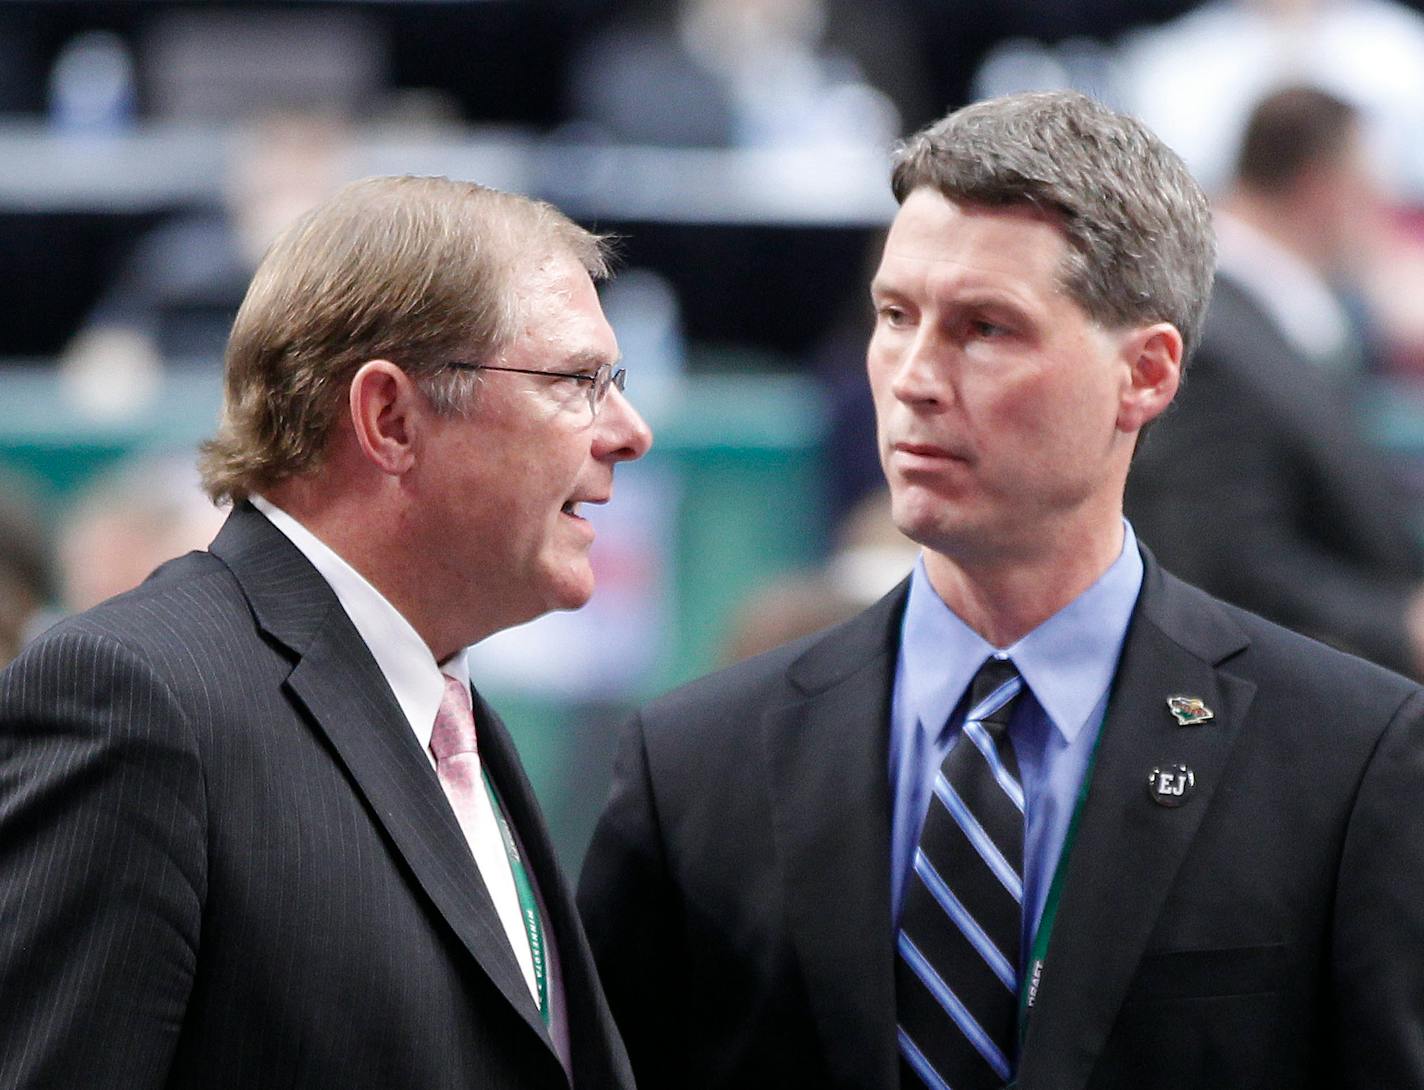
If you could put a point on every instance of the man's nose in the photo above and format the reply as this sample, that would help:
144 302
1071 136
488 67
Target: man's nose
624 433
919 374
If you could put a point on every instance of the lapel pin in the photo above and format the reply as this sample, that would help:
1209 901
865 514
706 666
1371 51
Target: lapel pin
1189 711
1170 786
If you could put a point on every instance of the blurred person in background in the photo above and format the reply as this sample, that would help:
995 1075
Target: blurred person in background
255 827
737 73
1197 78
125 524
1044 815
869 558
174 298
25 580
1260 484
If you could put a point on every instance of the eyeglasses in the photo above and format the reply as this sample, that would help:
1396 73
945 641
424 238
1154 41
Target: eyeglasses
599 382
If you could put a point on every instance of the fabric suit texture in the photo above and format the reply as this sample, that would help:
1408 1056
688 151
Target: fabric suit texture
225 861
1260 935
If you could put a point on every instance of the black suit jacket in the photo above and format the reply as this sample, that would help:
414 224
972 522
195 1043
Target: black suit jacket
225 862
1265 934
1259 486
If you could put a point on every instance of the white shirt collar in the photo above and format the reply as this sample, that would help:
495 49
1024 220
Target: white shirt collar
403 657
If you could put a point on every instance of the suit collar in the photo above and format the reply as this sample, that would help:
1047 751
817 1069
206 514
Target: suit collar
852 646
1128 847
827 759
289 600
598 1055
336 679
403 656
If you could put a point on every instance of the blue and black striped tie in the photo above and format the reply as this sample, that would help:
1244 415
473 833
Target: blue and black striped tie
956 977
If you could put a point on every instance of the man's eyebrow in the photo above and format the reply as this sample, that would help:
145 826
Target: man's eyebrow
589 358
972 296
991 298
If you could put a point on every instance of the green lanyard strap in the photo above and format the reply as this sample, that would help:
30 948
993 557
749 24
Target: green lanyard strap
528 904
1039 953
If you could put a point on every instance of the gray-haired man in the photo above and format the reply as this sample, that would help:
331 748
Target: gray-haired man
256 829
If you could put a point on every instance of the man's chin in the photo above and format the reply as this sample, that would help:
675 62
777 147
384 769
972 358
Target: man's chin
953 538
570 589
931 527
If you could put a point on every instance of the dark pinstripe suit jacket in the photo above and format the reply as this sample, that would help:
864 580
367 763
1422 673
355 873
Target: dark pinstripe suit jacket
224 861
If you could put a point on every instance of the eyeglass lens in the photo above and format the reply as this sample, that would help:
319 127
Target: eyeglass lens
604 378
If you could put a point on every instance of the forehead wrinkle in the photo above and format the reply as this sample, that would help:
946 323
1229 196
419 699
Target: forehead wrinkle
558 350
949 281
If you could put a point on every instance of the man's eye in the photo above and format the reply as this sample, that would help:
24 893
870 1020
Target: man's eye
981 327
892 315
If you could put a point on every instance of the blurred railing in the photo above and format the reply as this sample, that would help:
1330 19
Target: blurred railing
156 166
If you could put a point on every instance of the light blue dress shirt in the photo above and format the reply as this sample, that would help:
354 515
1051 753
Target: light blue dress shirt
1067 662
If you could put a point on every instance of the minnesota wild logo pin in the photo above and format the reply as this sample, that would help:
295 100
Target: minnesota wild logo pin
1189 711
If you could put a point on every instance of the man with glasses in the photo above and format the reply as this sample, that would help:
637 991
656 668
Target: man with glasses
255 827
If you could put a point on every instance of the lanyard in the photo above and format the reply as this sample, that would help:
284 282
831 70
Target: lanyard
1039 952
528 906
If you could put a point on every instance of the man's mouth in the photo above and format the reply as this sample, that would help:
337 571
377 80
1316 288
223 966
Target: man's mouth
573 508
924 450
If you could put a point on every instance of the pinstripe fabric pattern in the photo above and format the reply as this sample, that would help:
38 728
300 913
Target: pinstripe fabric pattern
224 861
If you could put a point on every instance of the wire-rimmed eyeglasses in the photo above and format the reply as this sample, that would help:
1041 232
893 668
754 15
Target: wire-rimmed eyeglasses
599 381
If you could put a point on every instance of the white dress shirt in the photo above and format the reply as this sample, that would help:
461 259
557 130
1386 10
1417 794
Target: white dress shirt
418 684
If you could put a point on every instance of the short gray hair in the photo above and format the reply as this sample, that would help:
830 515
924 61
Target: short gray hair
1141 247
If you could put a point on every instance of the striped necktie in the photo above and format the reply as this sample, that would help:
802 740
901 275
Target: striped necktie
957 973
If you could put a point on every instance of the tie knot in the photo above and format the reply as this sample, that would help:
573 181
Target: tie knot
454 723
992 692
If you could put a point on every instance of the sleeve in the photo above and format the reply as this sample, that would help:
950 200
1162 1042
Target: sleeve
632 915
102 867
1377 959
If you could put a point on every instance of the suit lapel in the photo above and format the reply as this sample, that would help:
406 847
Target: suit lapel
337 681
598 1059
1129 847
827 753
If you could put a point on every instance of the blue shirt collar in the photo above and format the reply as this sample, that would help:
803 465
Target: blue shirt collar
1068 661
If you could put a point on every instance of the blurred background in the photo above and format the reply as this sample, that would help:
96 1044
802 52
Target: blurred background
149 151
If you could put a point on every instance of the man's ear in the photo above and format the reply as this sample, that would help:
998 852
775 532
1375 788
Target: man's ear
1154 355
385 408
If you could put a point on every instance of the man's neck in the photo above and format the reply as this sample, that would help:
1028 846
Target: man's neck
360 529
1281 224
1004 598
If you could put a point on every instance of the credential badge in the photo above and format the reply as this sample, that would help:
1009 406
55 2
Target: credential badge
1189 711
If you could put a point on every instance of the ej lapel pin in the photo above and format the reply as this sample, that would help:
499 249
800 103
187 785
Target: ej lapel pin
1171 786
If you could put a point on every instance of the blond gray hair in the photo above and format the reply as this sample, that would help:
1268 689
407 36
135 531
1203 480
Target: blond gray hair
418 271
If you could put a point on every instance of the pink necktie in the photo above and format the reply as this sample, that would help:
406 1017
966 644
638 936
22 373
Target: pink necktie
456 752
457 755
457 766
